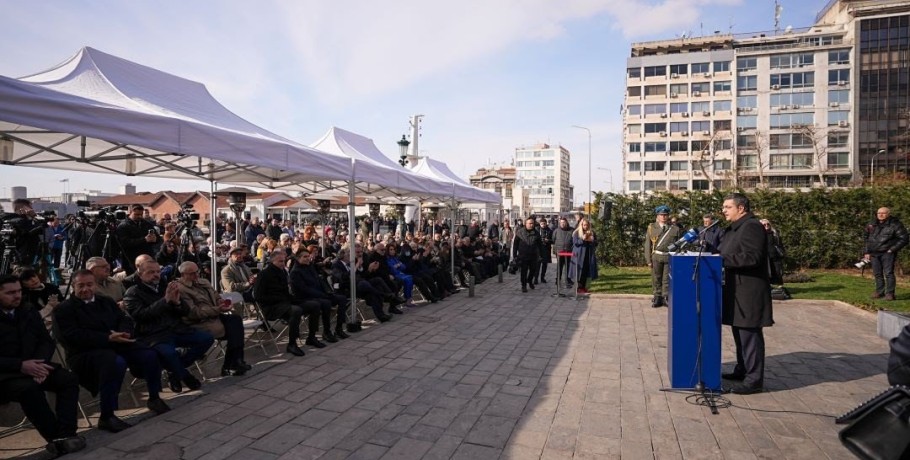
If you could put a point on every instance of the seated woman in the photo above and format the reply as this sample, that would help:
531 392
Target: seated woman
397 269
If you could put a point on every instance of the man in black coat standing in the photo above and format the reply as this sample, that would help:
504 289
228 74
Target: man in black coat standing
884 237
526 250
136 236
97 337
26 372
747 292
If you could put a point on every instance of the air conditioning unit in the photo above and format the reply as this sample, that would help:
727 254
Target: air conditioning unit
663 115
834 104
685 114
794 107
685 133
843 123
740 128
748 109
775 86
696 93
674 75
784 107
663 134
706 113
842 83
706 132
696 173
674 95
708 74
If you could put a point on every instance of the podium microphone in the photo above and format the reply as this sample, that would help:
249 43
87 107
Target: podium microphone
708 227
687 238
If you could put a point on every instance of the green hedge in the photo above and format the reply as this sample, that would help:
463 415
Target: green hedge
821 228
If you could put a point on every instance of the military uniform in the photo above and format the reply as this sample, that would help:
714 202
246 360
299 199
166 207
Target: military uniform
657 240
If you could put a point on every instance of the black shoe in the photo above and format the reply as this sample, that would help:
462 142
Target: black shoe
113 424
353 327
242 365
524 289
192 383
543 281
157 406
395 310
656 302
743 389
329 337
385 318
733 376
314 342
295 350
64 446
531 285
173 382
341 334
237 369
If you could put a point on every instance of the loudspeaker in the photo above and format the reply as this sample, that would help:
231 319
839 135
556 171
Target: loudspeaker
606 210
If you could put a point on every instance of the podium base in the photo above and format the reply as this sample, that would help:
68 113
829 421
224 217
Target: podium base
703 397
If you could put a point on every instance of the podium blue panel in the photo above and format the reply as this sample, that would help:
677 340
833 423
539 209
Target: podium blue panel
687 290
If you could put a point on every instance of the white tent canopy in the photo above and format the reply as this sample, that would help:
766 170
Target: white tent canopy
97 112
462 190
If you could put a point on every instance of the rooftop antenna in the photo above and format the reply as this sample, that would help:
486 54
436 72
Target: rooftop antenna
778 9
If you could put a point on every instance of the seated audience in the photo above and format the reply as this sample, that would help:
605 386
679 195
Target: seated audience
274 296
104 283
308 284
342 273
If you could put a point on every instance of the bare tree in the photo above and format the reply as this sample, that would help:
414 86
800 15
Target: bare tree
817 137
759 146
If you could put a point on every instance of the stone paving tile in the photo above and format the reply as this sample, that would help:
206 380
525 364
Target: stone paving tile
537 378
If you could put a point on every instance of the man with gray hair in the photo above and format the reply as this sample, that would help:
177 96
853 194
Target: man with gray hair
104 283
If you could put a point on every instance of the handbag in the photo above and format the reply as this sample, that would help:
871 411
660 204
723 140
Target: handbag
879 428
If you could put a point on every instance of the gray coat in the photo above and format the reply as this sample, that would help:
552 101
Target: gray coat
747 285
562 240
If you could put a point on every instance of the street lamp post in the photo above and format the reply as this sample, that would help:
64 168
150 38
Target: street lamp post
872 166
403 151
590 193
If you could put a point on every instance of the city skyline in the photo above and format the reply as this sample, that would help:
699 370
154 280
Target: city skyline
523 75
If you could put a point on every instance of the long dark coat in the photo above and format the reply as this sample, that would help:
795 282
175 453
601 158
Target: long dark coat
22 338
747 287
583 250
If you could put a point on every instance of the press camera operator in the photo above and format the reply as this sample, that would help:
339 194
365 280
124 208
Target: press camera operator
27 230
137 236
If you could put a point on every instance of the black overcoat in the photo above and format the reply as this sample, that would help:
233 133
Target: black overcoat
23 338
747 286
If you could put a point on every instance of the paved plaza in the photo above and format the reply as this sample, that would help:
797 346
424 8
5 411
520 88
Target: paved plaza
523 376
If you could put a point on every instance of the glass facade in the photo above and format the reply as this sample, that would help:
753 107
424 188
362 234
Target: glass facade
884 94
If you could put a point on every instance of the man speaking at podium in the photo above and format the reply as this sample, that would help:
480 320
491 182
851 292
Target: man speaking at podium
746 293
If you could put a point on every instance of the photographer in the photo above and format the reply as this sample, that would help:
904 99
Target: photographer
884 237
27 230
55 237
137 236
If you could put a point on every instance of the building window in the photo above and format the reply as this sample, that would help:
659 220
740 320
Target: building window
791 120
744 64
634 72
792 80
723 106
839 96
679 126
793 100
836 117
679 107
634 166
634 147
701 146
722 165
656 71
634 128
838 139
655 146
787 61
634 185
633 91
839 57
703 88
747 101
746 162
679 69
722 66
679 184
655 109
656 90
655 185
789 141
701 107
746 141
700 184
723 125
701 67
634 110
653 128
722 144
747 83
679 146
655 165
548 163
838 160
678 89
839 76
704 125
679 166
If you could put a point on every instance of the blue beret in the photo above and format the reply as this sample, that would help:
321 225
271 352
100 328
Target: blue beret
662 209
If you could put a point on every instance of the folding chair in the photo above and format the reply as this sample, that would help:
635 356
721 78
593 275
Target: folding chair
61 355
249 324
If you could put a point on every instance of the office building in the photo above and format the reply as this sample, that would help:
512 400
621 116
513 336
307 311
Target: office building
542 180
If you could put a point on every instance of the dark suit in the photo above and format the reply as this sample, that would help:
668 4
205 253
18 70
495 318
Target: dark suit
159 324
747 294
22 338
307 284
341 274
526 250
272 292
131 235
84 330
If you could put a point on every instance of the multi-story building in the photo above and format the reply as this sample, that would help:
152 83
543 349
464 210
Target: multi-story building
778 110
499 179
542 179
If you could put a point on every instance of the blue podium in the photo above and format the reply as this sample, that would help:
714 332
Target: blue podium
682 338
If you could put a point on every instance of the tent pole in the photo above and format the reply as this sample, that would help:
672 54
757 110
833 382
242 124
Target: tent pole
452 236
352 257
213 236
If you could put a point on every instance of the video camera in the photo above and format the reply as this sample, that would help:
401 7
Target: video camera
108 214
187 216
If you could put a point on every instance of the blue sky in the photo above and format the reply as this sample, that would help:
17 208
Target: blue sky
488 75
